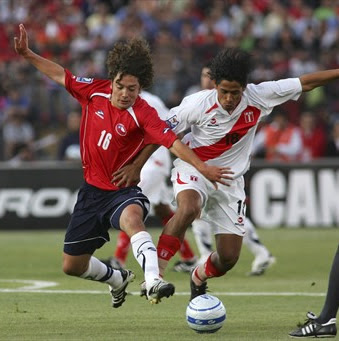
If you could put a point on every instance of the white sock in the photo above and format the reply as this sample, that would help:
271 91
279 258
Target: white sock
98 271
146 254
251 240
203 237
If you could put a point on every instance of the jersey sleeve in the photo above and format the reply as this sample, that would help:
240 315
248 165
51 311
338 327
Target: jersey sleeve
182 117
156 131
82 88
273 93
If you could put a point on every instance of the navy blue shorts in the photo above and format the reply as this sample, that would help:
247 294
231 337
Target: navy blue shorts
95 212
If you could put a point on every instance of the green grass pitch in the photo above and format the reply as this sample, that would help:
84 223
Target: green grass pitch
258 308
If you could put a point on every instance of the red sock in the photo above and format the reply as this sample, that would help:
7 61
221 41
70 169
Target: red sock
165 220
123 244
167 246
186 251
211 270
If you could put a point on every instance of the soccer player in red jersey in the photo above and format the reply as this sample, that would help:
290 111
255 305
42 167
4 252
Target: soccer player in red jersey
116 126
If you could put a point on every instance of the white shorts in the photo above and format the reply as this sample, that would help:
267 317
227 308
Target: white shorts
154 175
224 207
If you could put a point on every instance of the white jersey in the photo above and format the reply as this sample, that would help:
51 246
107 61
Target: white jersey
157 169
224 139
161 157
155 102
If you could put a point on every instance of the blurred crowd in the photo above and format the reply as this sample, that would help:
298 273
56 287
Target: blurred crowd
286 38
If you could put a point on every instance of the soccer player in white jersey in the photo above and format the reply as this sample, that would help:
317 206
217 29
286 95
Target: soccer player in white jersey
203 229
223 122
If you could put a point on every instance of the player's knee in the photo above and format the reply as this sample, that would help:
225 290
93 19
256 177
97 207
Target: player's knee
72 269
131 217
190 212
228 260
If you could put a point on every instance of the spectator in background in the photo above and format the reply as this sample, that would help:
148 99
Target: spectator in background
16 99
253 25
332 149
313 137
279 140
22 152
16 131
103 23
81 42
166 56
69 148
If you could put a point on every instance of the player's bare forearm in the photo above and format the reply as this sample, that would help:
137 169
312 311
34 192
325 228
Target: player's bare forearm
313 80
47 67
213 173
130 174
144 155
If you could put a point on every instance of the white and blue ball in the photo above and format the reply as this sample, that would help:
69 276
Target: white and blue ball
205 314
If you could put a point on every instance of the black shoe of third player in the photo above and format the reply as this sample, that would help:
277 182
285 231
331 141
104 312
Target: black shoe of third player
311 328
197 290
112 262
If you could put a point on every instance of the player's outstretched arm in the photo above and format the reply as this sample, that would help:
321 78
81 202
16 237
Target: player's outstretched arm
312 80
47 67
213 173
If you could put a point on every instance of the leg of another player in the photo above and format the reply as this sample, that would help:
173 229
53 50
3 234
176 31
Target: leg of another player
330 308
202 231
325 324
189 205
163 212
263 258
123 245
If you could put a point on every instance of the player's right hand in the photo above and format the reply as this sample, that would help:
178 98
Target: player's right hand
222 175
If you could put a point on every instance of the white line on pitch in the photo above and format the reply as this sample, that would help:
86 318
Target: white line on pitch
137 293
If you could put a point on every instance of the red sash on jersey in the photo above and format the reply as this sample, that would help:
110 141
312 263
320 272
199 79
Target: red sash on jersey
247 119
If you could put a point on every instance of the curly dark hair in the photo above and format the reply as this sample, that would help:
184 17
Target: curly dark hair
231 64
131 58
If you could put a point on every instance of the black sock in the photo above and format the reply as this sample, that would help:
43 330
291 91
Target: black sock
331 305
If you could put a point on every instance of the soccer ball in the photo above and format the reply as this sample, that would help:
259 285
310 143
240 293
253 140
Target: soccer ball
205 314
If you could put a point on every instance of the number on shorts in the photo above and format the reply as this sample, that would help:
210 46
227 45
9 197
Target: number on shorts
241 207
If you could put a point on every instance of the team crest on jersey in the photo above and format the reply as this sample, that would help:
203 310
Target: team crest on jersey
172 122
84 80
120 129
249 117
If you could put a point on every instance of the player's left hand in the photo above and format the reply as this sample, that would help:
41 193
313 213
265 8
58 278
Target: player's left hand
126 176
21 42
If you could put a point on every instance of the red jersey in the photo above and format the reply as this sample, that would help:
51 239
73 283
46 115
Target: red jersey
110 137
